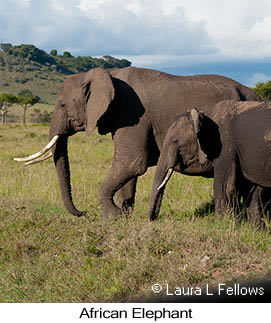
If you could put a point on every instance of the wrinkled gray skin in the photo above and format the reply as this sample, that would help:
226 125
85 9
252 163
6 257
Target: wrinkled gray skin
136 106
190 146
243 167
236 149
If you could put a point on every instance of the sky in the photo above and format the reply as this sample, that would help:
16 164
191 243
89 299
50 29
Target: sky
184 37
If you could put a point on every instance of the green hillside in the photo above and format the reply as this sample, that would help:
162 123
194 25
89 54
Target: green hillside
28 67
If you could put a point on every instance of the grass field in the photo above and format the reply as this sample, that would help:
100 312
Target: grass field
48 255
17 111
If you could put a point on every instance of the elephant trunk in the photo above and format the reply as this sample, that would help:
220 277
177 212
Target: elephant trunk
164 170
161 178
155 203
61 160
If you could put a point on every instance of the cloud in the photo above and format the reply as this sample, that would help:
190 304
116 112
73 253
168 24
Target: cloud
238 28
146 28
150 33
141 27
232 29
258 77
103 27
47 24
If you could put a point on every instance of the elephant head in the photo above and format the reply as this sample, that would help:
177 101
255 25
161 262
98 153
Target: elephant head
82 101
191 144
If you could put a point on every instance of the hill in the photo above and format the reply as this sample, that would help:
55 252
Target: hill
28 67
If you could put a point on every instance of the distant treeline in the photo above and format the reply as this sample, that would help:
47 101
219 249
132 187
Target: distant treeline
65 64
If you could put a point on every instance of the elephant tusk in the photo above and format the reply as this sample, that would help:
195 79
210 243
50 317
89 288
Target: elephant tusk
38 160
169 173
40 153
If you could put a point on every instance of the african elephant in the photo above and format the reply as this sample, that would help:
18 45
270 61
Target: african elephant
236 146
136 106
243 166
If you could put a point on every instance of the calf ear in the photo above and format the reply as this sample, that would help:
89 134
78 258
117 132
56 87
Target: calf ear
208 137
99 91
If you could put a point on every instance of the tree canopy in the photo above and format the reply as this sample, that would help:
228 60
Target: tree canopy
263 90
6 101
53 52
67 55
26 100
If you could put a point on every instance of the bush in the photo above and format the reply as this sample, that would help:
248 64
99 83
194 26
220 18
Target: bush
2 61
11 118
40 117
67 55
53 52
263 90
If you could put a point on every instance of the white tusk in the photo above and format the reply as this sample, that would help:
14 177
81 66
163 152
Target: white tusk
38 160
40 153
169 173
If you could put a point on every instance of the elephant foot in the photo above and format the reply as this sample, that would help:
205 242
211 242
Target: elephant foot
111 212
254 216
222 208
220 213
128 206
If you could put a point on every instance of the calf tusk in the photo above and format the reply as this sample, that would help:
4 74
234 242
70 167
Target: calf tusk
38 160
169 173
40 153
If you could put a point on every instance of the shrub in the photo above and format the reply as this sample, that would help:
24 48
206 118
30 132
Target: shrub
39 117
263 90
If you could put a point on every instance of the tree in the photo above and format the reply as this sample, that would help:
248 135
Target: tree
7 100
263 90
67 55
53 52
26 100
33 53
6 47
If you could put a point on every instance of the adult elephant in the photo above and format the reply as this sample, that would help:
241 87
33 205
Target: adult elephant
137 106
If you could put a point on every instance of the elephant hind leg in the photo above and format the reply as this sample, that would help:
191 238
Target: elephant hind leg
259 207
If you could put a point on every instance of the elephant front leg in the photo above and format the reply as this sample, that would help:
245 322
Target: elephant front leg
118 176
219 197
126 196
225 190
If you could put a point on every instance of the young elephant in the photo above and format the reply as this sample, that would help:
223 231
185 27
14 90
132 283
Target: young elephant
235 146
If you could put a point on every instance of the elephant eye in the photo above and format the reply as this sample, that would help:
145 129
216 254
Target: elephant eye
62 103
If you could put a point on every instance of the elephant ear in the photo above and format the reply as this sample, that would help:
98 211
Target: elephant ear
208 136
99 92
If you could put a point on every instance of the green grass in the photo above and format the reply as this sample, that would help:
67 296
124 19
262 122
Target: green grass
48 255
